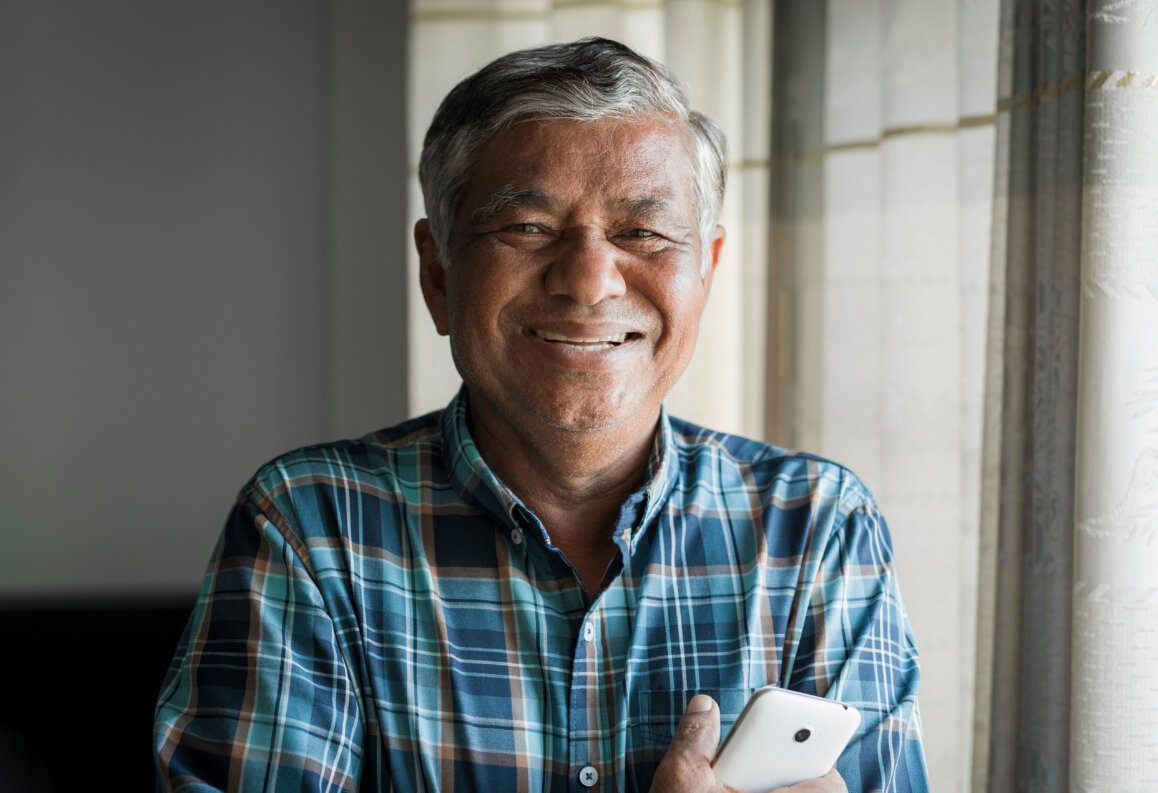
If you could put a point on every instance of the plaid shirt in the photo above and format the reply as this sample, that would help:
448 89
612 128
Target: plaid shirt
384 614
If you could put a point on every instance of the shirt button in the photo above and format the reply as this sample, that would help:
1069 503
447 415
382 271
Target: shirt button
588 776
589 635
517 537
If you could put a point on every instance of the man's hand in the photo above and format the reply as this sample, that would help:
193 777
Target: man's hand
832 782
687 766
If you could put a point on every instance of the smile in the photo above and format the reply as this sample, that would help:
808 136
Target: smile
598 344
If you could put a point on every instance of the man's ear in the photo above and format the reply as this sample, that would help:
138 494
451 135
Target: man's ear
432 277
715 246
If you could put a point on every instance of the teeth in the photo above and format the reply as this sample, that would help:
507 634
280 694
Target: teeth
594 345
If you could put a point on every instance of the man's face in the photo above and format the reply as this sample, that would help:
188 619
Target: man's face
574 295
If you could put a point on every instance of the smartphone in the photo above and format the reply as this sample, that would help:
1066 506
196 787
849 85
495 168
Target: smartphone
783 738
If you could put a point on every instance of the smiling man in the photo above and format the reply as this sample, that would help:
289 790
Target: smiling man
572 306
552 584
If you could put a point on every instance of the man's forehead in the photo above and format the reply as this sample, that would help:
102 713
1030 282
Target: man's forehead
621 167
646 145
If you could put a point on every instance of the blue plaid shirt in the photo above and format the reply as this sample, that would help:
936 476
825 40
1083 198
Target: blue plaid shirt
384 614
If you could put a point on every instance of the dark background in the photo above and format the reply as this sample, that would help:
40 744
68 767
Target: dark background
203 236
78 683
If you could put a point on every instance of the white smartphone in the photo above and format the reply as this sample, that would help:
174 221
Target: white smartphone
783 738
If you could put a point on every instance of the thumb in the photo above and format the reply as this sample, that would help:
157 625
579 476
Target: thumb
699 730
696 738
688 762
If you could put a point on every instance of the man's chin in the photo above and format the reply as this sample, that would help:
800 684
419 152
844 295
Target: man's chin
582 416
580 409
578 422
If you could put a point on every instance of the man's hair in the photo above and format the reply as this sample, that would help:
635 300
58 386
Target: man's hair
587 80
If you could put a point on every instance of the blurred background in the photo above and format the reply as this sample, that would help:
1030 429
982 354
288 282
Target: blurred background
203 234
205 260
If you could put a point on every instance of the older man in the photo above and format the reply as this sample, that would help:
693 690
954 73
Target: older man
527 590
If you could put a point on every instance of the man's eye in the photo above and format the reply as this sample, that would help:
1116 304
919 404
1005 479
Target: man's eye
641 233
523 228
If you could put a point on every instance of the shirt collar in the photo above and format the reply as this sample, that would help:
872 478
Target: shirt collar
477 484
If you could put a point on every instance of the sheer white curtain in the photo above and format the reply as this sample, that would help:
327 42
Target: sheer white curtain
721 52
1115 638
1068 638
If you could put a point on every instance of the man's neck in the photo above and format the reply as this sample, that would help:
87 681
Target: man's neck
574 481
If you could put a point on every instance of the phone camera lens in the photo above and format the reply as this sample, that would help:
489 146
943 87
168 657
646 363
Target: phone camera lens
802 735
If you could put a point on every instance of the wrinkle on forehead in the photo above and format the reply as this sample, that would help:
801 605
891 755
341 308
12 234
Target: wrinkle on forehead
552 164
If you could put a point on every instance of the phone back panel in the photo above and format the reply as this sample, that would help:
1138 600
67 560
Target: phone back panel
783 738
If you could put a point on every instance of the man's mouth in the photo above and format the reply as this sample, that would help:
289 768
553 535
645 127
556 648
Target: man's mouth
598 344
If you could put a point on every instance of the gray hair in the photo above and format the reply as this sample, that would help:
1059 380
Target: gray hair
587 80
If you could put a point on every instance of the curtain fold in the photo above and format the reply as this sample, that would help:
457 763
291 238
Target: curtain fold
1023 727
1067 616
1115 620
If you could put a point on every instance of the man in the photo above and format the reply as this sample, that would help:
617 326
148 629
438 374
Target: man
527 590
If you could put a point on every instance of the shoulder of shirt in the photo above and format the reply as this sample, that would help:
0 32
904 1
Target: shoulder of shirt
768 463
376 453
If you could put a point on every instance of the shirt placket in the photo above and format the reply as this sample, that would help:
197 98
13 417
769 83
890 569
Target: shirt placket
593 705
590 766
596 696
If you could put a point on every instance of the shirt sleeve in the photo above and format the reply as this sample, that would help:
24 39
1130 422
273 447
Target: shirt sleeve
258 696
859 649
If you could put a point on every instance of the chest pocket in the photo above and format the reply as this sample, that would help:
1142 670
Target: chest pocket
660 712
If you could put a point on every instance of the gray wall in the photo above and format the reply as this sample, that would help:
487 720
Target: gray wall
202 227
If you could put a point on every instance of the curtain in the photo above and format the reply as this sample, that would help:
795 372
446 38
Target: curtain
1068 614
721 52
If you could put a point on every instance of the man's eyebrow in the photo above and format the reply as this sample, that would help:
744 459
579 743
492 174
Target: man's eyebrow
644 206
509 197
653 209
513 198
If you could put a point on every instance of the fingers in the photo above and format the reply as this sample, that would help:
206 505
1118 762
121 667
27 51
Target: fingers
687 766
832 782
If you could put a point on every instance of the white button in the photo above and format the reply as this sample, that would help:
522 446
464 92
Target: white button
588 776
589 631
517 537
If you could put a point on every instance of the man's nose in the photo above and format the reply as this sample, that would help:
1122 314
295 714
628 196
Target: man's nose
586 269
